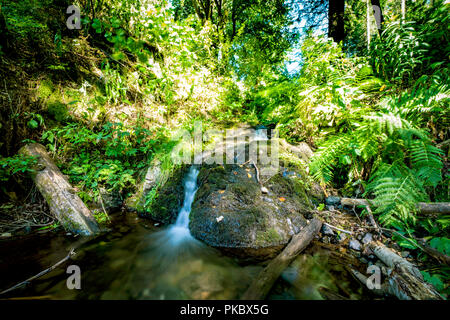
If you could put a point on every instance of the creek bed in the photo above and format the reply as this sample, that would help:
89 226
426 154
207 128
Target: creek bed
135 260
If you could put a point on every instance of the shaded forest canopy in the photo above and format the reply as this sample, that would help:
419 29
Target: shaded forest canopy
371 96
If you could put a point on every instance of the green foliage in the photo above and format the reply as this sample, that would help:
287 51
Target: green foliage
58 111
426 159
102 217
434 279
386 140
441 244
230 108
35 120
399 53
397 190
23 18
408 49
10 166
115 88
385 144
111 156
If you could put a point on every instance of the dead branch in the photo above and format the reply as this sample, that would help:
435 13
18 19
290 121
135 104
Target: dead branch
336 228
262 284
40 274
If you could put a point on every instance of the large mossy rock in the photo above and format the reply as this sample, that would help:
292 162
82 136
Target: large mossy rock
231 212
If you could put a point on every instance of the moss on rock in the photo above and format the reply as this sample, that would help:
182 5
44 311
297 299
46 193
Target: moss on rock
230 211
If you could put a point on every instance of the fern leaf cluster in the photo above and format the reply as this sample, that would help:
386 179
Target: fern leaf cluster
404 163
396 190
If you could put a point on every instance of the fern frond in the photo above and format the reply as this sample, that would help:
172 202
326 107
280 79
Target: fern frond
396 192
323 162
426 159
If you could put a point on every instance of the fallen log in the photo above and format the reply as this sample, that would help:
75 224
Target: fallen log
404 279
391 259
261 286
443 143
62 199
422 207
422 245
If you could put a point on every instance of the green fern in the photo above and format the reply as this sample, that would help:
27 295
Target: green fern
426 159
397 191
325 159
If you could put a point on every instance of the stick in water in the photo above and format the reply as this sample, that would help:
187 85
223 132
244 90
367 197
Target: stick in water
40 274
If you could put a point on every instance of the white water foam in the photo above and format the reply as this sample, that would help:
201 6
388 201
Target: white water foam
179 231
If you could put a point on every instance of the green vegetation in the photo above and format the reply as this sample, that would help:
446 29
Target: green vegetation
106 99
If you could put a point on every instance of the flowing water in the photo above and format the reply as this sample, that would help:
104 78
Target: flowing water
179 232
138 260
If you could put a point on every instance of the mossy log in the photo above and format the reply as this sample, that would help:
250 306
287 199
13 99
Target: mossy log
62 199
261 286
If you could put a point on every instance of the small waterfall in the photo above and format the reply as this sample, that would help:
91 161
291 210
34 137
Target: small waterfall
180 230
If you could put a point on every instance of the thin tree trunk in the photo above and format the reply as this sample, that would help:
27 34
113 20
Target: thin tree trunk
378 13
368 24
403 10
336 20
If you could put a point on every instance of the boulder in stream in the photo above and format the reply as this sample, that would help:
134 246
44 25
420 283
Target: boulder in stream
231 212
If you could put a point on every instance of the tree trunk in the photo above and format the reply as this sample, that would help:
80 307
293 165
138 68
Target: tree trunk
378 13
368 24
261 286
62 199
336 20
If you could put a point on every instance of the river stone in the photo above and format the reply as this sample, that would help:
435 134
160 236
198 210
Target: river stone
251 226
168 194
341 237
355 245
112 200
326 230
368 237
333 201
169 198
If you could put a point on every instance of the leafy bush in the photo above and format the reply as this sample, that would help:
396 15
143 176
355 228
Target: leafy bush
111 156
14 165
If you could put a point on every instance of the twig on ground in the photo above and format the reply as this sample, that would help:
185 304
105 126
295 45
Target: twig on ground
339 229
372 219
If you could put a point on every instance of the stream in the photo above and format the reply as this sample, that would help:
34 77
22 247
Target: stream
139 260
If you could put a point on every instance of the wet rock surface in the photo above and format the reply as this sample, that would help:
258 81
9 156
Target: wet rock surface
255 223
160 195
355 245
